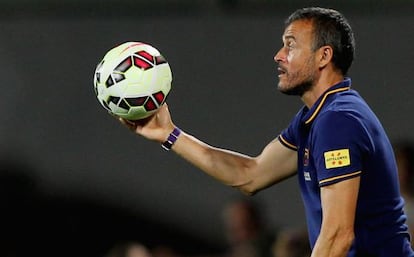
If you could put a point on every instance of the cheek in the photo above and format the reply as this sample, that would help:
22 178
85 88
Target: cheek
289 57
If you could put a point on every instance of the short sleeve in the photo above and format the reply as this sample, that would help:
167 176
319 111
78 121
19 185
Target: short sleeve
337 143
288 137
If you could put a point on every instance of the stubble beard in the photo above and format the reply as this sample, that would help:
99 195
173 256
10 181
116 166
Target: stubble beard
299 82
297 89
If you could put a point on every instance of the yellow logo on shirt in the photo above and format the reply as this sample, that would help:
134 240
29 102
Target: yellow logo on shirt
337 158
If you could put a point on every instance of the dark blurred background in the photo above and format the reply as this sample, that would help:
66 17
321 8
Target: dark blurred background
73 181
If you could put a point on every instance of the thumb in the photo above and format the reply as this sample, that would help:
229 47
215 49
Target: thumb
131 125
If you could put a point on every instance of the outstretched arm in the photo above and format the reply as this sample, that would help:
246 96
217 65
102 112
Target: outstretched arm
249 174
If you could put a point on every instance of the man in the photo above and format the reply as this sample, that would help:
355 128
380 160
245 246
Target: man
246 235
335 144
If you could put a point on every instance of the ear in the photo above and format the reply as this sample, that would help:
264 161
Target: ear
325 54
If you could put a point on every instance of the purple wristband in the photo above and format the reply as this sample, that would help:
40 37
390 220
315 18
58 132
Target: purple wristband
171 139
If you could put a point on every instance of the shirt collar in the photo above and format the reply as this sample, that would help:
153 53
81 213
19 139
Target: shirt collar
311 114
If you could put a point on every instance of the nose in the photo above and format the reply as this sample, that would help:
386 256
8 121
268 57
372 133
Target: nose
279 56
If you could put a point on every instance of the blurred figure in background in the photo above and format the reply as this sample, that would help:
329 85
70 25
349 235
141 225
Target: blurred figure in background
164 251
404 154
292 243
129 249
245 231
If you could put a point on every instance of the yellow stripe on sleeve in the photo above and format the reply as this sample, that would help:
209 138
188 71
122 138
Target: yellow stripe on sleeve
287 143
339 177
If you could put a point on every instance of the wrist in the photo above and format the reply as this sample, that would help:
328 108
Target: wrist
172 137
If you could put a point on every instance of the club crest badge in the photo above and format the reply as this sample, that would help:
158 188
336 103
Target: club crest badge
306 157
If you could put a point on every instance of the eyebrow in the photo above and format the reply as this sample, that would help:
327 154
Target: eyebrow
289 37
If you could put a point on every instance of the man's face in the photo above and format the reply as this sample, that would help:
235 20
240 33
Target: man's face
296 59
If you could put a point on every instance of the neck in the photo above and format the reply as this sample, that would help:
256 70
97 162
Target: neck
323 83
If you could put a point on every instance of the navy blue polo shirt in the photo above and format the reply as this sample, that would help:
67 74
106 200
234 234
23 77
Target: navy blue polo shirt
340 138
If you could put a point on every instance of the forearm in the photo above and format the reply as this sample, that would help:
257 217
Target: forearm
335 244
229 167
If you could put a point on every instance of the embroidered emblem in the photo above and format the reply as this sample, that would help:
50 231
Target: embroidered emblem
337 158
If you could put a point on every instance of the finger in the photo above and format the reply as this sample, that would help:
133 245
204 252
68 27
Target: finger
131 125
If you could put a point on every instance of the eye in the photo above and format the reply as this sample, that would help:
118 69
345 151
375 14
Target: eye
290 44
